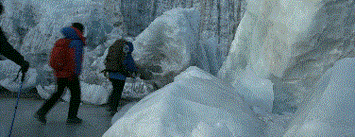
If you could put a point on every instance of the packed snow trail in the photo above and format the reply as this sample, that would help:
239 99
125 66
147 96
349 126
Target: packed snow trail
96 120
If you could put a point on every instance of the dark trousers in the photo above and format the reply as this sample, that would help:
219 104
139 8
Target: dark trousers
75 99
115 96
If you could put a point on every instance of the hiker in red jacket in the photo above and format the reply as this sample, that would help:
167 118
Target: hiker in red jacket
66 59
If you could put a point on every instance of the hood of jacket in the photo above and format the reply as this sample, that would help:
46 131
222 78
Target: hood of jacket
73 34
130 46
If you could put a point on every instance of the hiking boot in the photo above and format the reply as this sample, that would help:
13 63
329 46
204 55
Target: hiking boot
40 118
74 120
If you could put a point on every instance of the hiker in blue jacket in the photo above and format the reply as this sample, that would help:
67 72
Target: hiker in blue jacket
119 64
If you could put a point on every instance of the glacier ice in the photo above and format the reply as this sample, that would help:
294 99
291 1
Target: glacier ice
166 46
195 104
40 23
171 43
329 111
281 49
291 43
33 26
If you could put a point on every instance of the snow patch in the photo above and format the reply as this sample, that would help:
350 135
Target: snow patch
194 104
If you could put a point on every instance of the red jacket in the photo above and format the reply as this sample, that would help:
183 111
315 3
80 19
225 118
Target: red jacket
66 56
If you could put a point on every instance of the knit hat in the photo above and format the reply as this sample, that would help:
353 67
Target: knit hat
79 26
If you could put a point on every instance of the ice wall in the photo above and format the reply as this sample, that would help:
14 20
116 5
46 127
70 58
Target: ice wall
329 110
219 19
291 43
33 26
36 24
171 43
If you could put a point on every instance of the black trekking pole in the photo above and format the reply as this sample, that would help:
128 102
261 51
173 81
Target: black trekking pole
18 98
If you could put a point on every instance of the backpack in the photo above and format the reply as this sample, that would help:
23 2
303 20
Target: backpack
58 55
119 58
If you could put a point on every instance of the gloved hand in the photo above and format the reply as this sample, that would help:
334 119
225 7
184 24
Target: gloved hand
134 75
106 73
24 67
